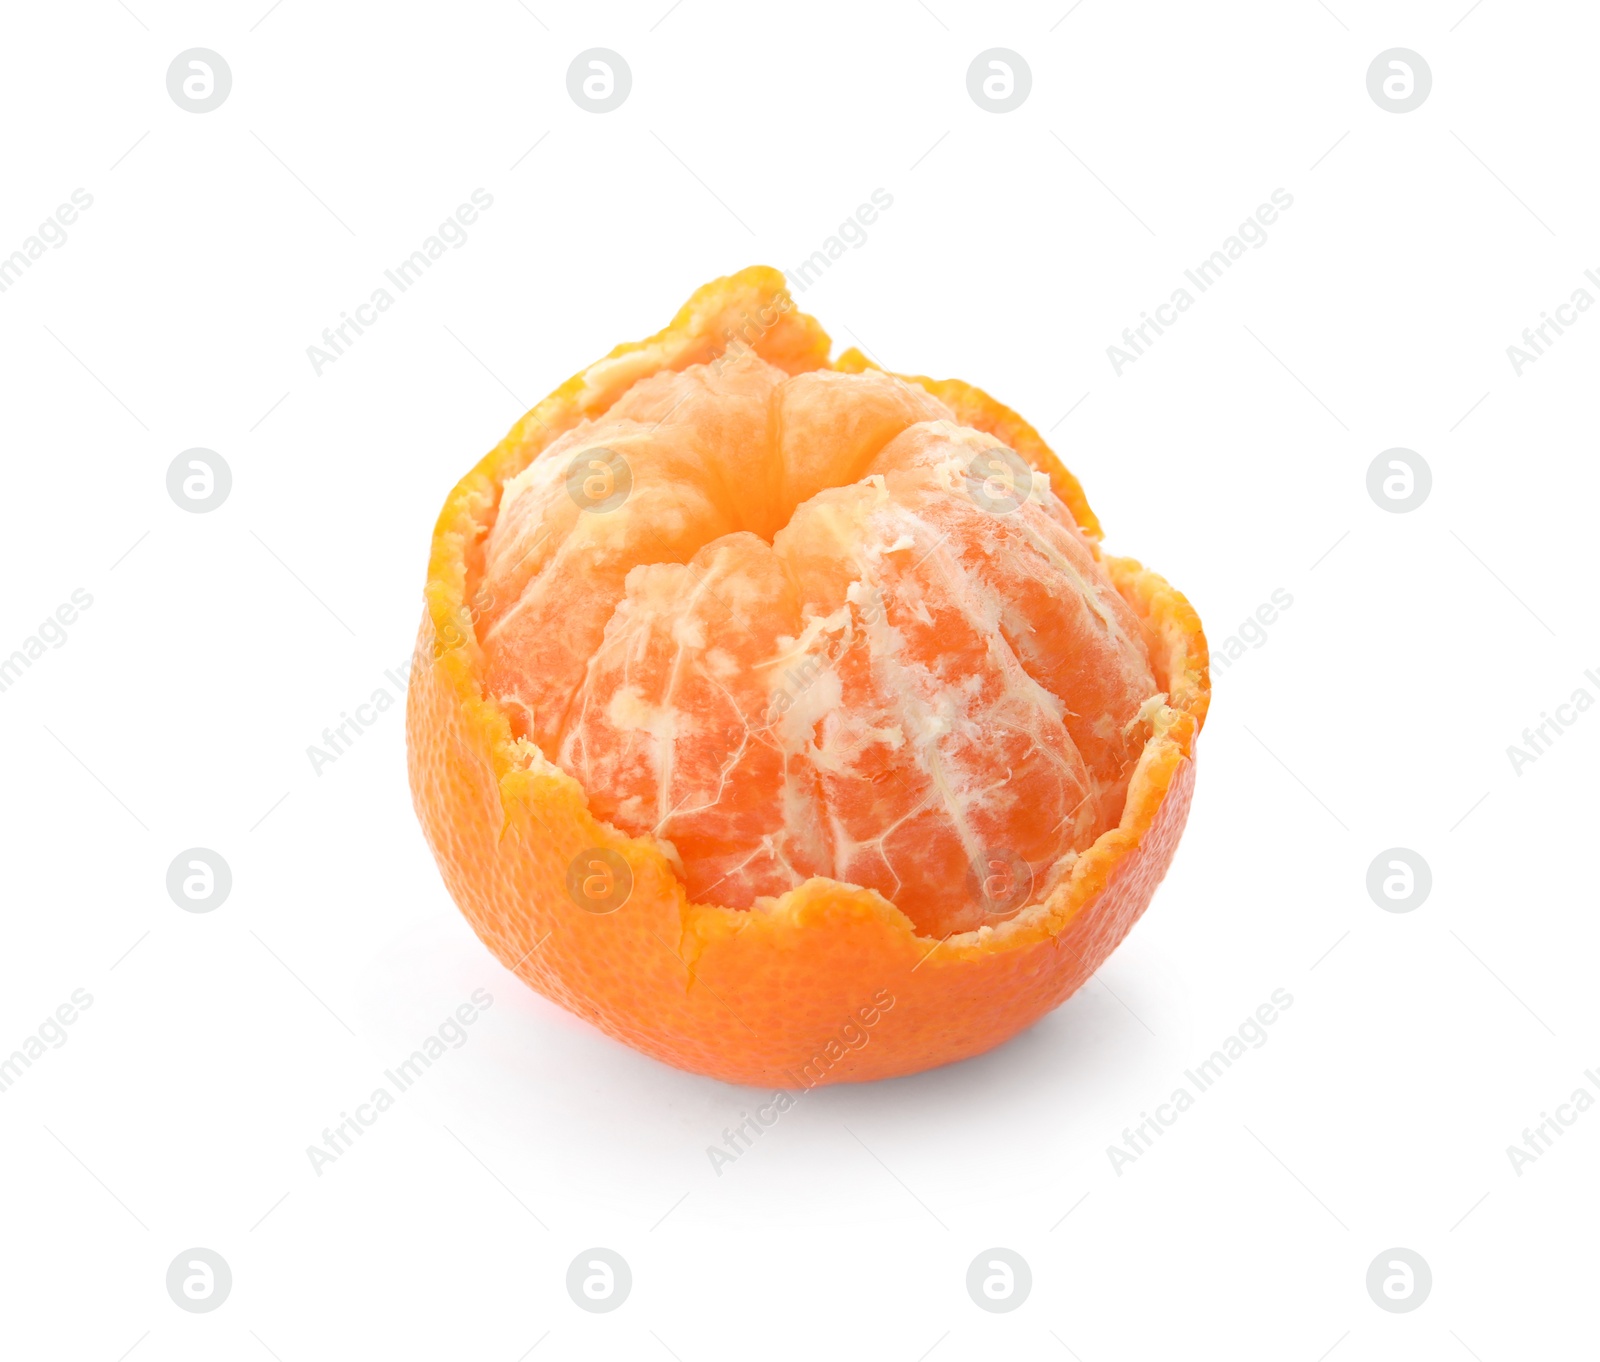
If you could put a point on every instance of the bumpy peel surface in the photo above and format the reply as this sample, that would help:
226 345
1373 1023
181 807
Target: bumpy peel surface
841 658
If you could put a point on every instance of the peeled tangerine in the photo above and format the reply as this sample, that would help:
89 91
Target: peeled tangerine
784 718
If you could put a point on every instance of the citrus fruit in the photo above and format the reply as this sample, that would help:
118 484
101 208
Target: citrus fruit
783 716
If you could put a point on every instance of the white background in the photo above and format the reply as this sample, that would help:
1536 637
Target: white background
1231 457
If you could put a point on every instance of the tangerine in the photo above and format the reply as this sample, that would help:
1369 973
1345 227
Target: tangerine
753 687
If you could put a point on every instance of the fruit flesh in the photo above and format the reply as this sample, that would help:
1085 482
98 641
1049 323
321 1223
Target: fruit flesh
817 628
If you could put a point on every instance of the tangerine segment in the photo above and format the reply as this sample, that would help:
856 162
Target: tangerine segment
843 683
942 762
1052 602
671 720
